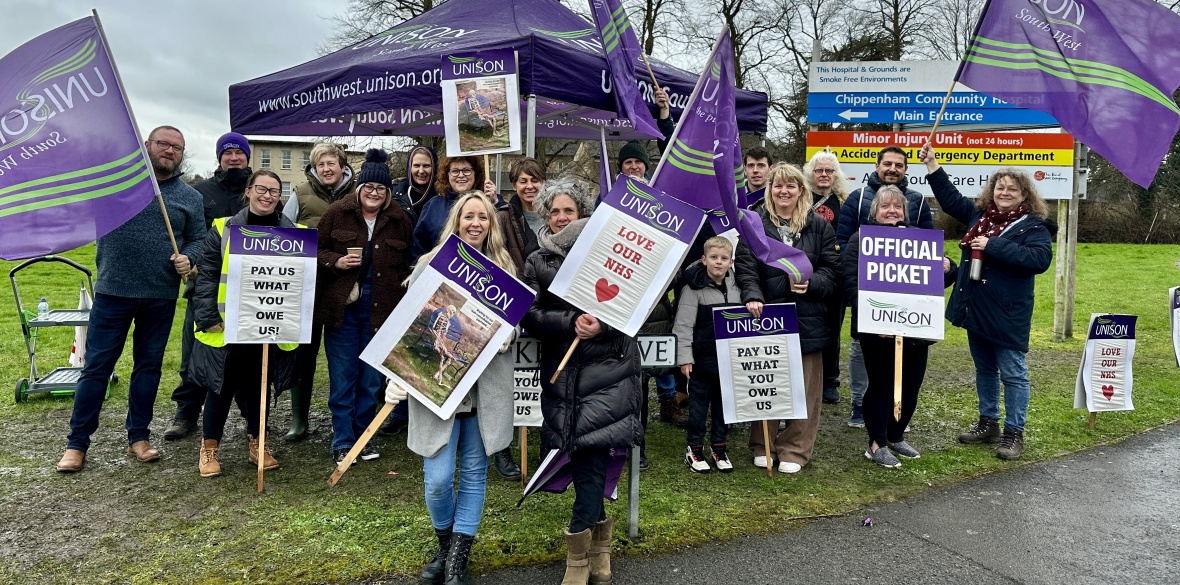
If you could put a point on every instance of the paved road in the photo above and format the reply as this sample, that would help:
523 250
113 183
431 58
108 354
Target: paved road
1108 515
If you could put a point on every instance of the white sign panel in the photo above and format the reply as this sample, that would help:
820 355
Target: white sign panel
270 284
1104 379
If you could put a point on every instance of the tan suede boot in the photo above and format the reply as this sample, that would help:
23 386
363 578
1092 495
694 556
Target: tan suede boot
600 552
209 466
577 565
270 461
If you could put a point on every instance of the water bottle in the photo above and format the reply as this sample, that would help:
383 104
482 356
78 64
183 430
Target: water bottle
976 264
42 307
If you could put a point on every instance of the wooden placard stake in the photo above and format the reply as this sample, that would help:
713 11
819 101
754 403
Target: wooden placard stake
524 456
261 412
766 449
565 360
361 441
1093 419
897 346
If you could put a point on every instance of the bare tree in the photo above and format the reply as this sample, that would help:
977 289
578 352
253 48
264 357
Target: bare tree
951 24
904 21
362 19
651 20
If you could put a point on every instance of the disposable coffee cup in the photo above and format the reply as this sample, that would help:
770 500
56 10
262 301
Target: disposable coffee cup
356 251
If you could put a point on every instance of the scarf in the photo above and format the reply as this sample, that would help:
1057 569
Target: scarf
561 242
992 222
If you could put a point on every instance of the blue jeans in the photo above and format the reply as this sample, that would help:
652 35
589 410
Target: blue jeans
110 321
352 384
460 509
858 378
994 364
665 386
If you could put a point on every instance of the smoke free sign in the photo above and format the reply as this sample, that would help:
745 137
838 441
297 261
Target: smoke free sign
900 282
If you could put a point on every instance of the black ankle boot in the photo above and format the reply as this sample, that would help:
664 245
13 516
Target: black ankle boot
435 571
457 559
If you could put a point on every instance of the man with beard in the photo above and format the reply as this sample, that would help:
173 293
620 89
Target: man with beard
890 170
138 276
222 197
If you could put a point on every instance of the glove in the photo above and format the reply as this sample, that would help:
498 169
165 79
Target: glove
510 341
393 393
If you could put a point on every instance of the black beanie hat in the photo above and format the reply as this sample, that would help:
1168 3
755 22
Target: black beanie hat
374 169
633 149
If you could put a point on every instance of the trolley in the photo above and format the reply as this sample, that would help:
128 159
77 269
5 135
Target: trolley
63 380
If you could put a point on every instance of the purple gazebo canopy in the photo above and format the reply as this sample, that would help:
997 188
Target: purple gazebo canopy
388 84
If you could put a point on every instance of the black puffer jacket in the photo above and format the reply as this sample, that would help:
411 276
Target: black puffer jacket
998 307
595 402
818 241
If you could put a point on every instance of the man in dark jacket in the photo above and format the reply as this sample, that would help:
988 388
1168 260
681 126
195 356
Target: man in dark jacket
891 170
757 167
222 197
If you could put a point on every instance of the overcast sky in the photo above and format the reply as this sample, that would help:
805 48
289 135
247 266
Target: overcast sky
178 58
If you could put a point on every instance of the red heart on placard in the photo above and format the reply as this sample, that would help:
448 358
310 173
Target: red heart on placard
605 290
1107 391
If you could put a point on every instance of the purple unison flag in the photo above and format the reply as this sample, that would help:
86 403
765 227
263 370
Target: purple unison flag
706 144
622 50
71 165
1106 71
554 475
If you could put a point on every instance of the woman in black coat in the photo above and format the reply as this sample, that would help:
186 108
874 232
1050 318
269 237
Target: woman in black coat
886 434
1008 230
594 405
788 218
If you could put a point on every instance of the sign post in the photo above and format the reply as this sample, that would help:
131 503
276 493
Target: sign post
907 93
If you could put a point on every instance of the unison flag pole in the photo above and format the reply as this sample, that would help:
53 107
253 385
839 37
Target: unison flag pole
941 110
135 127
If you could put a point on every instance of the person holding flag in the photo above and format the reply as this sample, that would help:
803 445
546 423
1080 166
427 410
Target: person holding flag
138 280
788 218
594 405
1009 237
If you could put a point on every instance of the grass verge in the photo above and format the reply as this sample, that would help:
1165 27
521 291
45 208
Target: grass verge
122 522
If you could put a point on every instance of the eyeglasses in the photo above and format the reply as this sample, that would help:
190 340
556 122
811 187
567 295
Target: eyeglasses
824 171
370 189
160 144
461 172
259 189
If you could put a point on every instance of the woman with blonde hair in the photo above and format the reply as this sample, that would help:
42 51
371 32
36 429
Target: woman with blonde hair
788 217
480 426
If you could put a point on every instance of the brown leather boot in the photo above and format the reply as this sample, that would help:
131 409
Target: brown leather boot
208 465
600 551
577 565
144 451
71 461
269 462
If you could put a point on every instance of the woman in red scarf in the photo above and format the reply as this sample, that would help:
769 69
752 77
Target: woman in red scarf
1007 246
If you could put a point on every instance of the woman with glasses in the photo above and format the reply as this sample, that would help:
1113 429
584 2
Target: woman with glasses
357 291
457 175
226 370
